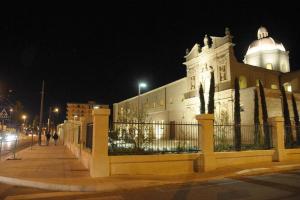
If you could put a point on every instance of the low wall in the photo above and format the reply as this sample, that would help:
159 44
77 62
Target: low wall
83 154
292 154
243 157
166 164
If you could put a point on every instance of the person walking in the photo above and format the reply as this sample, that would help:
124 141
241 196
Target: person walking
48 136
55 137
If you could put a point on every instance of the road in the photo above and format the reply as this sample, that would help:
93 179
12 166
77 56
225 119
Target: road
8 147
270 186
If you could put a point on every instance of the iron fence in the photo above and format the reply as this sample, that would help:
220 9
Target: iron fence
153 138
89 136
252 137
292 136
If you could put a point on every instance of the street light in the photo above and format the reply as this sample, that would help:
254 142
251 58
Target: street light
141 85
56 110
24 117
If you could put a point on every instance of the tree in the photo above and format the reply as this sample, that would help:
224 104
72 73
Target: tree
256 118
286 116
296 119
202 102
35 123
267 140
237 116
211 98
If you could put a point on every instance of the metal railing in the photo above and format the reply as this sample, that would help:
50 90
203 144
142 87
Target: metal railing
12 142
252 137
292 136
89 136
127 138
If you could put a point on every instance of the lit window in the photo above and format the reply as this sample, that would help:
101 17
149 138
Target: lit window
243 82
287 87
269 66
274 86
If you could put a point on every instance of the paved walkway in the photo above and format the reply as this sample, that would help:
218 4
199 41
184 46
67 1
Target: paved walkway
56 168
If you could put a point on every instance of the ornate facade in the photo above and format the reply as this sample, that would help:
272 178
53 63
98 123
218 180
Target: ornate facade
265 60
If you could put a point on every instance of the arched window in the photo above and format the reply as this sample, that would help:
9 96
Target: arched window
243 82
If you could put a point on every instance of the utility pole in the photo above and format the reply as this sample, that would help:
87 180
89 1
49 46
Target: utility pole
49 120
41 114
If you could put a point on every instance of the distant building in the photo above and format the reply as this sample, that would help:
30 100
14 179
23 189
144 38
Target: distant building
265 60
77 110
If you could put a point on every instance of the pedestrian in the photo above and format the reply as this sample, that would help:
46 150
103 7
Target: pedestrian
48 136
55 137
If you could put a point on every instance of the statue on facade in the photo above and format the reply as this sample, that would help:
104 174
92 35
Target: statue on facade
205 40
187 51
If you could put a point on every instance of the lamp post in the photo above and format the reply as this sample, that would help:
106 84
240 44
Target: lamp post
24 117
55 110
141 85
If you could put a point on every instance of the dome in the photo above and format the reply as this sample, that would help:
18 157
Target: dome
264 43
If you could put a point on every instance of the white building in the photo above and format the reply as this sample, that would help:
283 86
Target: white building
265 60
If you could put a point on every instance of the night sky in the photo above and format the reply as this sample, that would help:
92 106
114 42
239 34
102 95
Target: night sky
100 52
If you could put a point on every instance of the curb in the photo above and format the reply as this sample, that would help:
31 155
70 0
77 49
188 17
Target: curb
278 168
47 186
111 186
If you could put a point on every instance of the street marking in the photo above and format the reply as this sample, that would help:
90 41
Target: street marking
251 170
286 166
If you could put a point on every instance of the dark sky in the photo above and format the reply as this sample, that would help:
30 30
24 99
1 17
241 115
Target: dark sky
99 52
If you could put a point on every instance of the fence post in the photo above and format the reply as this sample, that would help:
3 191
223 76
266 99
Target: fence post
100 159
206 141
83 127
278 138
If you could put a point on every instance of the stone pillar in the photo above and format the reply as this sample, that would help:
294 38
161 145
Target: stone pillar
278 138
83 126
100 159
206 142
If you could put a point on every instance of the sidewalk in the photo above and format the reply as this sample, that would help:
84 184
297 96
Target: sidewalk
56 168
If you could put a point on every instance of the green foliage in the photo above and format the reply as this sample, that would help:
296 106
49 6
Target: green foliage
256 118
296 119
211 98
286 116
237 116
264 116
202 101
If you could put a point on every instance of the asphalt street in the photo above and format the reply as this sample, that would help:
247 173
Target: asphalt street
285 185
7 148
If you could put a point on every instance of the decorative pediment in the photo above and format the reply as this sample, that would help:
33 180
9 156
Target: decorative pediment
195 51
